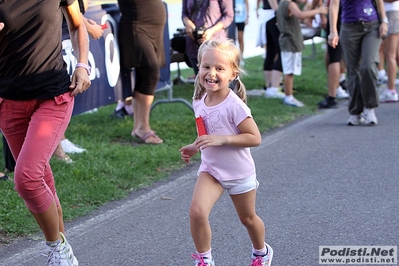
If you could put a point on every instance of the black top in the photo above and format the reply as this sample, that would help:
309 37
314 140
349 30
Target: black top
266 4
31 62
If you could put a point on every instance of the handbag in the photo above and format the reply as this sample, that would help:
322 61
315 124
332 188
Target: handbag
178 42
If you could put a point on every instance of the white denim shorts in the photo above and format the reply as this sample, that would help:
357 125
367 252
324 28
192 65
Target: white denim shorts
240 186
291 62
393 18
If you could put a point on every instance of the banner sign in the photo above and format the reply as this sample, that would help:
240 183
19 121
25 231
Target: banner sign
106 85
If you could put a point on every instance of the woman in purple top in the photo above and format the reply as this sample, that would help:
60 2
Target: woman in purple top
360 36
205 19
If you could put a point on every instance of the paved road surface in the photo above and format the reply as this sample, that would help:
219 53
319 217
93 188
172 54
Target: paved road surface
321 183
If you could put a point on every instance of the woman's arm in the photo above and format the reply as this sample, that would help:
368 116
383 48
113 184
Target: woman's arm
80 42
333 38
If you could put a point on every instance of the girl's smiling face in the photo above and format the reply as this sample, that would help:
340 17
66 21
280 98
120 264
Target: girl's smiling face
215 71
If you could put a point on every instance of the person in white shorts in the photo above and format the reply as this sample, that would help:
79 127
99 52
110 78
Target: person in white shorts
291 43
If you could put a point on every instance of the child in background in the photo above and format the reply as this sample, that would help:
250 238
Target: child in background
227 163
291 43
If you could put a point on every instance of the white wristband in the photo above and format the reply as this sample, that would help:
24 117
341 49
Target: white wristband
87 67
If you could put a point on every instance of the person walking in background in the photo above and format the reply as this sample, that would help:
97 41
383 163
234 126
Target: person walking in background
93 28
272 68
360 38
95 31
140 37
227 163
334 65
241 10
291 43
36 103
205 20
390 45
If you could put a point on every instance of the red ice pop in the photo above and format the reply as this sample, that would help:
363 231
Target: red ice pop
200 126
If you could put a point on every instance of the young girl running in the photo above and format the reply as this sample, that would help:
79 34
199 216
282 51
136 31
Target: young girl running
227 163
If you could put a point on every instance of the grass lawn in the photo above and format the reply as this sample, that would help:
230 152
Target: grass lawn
116 163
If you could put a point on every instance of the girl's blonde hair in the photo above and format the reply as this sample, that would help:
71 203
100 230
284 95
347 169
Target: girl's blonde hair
229 50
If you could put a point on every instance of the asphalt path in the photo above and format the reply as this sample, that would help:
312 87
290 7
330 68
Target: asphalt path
322 183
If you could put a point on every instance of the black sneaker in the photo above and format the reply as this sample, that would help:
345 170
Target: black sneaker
328 102
121 113
344 85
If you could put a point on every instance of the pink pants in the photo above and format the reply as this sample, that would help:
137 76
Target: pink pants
33 129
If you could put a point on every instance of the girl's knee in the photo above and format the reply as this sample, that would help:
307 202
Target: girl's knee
198 214
249 221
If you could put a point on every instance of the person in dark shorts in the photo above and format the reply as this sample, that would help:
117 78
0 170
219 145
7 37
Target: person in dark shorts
140 37
334 64
241 11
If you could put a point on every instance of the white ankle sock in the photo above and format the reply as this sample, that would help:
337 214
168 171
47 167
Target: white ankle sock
260 252
207 254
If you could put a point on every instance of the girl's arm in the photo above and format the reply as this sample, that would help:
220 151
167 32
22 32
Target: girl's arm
80 42
188 151
249 137
301 14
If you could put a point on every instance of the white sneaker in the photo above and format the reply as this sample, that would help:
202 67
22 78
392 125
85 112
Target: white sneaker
382 80
388 96
61 255
292 102
369 117
341 93
274 92
69 147
353 120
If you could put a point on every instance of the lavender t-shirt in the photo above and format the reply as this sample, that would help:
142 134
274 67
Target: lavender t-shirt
225 162
355 10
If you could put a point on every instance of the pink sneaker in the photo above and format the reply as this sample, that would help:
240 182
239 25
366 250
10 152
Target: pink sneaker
263 260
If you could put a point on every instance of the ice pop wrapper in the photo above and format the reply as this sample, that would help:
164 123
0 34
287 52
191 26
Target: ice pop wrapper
200 126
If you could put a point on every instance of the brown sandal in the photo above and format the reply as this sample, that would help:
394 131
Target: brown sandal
150 134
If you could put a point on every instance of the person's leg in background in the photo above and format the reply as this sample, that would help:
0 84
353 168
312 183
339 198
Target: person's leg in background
350 39
292 65
124 108
272 63
9 162
382 74
333 61
143 97
369 73
390 44
240 39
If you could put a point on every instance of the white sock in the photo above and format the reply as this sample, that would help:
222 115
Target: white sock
381 73
129 109
206 254
260 252
289 97
342 77
120 105
54 243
